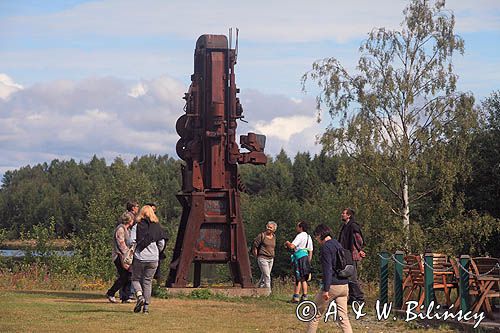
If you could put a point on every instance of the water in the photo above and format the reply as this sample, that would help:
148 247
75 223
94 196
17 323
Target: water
22 253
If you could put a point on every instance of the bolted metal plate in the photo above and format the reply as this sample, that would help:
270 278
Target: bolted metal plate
213 238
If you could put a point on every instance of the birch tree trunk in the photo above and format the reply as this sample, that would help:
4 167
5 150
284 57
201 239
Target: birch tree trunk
406 211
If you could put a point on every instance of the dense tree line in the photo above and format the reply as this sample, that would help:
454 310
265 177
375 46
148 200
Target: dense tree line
86 198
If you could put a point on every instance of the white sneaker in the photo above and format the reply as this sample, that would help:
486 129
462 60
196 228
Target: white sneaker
112 299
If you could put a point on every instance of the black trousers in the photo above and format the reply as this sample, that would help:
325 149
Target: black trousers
355 292
126 291
122 280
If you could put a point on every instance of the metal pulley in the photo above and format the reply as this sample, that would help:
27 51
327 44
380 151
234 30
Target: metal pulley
181 126
181 149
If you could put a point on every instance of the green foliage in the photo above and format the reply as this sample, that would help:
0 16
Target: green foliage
305 179
81 197
469 233
200 294
92 254
400 117
158 291
484 188
42 235
273 178
257 211
3 236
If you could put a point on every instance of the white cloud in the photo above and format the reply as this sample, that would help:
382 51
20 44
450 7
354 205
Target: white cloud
259 20
167 89
138 90
288 123
7 86
87 117
77 119
91 116
279 40
34 117
283 128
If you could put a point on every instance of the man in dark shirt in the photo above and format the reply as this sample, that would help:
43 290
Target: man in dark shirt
351 238
333 287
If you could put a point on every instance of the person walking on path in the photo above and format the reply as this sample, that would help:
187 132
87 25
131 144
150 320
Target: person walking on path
127 291
150 239
121 243
333 288
263 249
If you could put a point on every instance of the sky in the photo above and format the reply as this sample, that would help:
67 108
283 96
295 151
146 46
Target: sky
79 78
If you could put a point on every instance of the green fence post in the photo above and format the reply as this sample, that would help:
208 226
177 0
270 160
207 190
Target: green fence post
464 283
384 277
428 279
398 279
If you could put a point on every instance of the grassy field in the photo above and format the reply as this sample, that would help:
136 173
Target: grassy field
71 311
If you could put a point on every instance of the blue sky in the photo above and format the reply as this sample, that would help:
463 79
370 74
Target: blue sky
106 77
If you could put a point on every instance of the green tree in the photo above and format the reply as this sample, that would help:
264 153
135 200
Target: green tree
274 177
28 200
326 167
305 180
163 173
277 175
69 179
484 189
400 116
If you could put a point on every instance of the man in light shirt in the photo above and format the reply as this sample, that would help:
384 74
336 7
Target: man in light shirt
302 246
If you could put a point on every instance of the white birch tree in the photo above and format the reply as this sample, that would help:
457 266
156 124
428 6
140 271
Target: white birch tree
400 115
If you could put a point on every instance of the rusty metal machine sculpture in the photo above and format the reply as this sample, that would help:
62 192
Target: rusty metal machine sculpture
211 228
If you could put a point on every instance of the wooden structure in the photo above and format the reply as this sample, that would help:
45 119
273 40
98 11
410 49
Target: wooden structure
484 283
444 278
211 228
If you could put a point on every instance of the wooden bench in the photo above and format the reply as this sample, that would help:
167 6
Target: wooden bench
484 283
445 278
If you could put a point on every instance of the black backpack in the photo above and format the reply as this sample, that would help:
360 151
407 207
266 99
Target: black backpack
345 265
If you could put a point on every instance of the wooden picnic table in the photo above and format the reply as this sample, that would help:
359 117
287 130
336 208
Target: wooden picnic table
484 283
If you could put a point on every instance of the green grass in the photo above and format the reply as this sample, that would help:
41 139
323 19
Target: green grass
71 311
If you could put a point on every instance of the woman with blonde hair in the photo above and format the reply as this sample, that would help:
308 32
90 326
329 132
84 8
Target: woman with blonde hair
150 239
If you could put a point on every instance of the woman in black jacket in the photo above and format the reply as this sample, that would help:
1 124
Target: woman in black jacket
150 239
333 287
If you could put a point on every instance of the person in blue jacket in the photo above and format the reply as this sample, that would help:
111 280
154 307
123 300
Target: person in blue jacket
333 288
